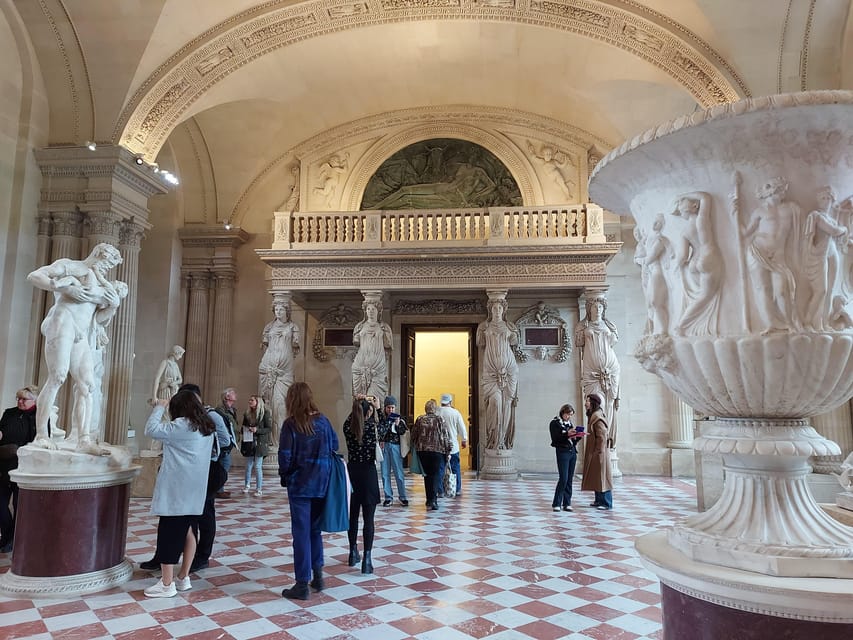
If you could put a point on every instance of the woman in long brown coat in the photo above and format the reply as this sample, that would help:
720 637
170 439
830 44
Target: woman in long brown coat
596 457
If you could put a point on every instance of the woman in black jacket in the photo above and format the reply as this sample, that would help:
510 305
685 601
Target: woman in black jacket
17 428
564 438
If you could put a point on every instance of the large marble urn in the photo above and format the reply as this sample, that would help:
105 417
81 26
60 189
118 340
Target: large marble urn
745 225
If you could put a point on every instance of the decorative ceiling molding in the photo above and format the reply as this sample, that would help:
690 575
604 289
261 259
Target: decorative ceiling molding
405 122
159 103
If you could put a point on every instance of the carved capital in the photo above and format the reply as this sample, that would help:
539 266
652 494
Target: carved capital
131 235
67 223
103 224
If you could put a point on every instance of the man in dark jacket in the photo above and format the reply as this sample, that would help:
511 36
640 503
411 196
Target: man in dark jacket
17 428
391 427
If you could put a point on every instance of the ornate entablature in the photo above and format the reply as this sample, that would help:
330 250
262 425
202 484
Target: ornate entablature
437 306
161 100
543 334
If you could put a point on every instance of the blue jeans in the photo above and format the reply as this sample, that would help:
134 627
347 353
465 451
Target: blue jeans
307 538
604 499
392 458
225 461
258 463
566 461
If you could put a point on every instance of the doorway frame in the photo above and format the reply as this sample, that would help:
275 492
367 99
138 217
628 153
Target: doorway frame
407 332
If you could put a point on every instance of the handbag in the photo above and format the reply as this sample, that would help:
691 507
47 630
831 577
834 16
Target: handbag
449 482
335 514
379 455
415 463
247 448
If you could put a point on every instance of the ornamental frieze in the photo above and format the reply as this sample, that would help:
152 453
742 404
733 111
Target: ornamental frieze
437 306
160 101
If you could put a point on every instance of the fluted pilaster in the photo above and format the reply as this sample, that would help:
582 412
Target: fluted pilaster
220 344
681 423
38 307
123 337
837 426
197 329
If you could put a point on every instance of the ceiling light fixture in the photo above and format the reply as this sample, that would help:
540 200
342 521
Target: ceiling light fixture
138 160
228 225
91 146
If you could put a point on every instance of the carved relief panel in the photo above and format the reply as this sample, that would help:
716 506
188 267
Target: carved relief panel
333 337
542 334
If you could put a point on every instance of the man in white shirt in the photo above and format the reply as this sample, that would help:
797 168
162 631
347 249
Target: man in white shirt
456 425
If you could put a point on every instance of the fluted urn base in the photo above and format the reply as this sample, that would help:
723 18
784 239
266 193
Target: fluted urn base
766 519
499 464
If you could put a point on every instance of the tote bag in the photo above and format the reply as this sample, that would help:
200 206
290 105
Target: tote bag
335 515
415 463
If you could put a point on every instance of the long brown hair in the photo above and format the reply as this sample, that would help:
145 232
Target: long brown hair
301 408
186 404
360 410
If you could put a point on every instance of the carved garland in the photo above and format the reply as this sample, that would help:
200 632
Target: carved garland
541 315
160 102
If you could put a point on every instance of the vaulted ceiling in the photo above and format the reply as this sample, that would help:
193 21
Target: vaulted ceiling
219 89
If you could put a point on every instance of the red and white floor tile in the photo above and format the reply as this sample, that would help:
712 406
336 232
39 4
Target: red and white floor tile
494 563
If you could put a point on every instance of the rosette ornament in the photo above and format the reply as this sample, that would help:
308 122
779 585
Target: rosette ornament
745 240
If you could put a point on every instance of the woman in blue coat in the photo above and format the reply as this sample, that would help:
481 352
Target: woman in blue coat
304 464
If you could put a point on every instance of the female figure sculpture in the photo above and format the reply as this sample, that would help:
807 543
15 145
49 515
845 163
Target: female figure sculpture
656 249
595 336
168 377
499 383
280 343
701 266
373 338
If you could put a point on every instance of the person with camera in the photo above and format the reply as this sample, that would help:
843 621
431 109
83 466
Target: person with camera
254 442
564 438
391 427
360 431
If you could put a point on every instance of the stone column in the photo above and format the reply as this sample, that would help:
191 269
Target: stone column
195 360
683 463
38 306
838 427
220 343
123 335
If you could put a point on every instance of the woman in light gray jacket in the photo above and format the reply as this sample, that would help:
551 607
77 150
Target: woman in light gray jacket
181 486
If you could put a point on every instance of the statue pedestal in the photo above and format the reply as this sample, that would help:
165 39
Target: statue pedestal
499 464
729 603
149 464
71 526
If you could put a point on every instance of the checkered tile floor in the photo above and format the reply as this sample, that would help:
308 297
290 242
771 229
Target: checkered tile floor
493 563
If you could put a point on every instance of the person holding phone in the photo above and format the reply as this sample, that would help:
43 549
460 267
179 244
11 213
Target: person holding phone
564 438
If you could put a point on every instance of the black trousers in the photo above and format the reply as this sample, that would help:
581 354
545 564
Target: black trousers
206 531
431 463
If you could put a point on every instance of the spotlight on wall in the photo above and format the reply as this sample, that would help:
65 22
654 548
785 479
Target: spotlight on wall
91 146
138 160
155 167
228 225
169 177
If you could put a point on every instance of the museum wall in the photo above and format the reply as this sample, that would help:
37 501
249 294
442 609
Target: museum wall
23 127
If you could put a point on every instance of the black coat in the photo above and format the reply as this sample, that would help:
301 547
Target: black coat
18 428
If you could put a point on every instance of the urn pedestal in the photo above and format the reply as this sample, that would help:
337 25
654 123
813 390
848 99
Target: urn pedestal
745 218
71 527
499 464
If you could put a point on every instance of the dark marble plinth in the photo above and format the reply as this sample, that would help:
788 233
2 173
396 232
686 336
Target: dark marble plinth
689 618
68 532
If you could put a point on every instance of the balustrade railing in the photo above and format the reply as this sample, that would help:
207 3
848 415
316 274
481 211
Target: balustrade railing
571 224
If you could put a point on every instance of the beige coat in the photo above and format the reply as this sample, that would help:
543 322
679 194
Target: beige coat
596 456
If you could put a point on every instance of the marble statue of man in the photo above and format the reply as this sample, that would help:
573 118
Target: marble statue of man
83 299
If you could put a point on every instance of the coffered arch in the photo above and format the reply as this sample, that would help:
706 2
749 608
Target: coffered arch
161 101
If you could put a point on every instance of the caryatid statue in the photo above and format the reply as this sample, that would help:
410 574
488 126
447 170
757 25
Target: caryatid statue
280 343
595 336
373 339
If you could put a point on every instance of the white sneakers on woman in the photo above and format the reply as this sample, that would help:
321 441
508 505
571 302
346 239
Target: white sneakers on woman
160 590
183 584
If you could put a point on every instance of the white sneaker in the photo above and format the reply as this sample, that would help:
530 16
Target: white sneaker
259 493
555 508
183 584
159 590
246 489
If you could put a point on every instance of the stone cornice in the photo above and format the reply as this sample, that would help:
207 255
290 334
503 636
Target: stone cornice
159 103
212 236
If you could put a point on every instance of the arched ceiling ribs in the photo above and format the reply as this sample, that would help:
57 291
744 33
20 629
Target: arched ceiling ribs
160 102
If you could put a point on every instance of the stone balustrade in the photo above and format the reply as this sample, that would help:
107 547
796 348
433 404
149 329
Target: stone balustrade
571 224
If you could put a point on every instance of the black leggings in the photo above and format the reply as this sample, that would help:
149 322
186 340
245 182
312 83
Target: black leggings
368 511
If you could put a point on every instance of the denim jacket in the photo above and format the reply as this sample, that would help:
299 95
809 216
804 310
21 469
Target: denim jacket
305 461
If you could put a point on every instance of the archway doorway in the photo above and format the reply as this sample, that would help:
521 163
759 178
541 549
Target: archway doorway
437 360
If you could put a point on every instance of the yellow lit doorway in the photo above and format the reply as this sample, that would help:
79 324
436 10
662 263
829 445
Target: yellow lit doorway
440 360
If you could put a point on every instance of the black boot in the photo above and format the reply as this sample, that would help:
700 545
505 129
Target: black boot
366 563
317 583
354 556
299 591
